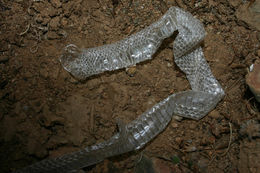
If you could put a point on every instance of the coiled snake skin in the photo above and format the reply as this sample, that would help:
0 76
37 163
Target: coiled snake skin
196 103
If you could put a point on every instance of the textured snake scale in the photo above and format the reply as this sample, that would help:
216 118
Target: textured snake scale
196 103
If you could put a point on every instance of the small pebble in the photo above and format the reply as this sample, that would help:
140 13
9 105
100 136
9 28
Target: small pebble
191 149
178 140
253 81
131 71
216 130
177 118
174 125
214 114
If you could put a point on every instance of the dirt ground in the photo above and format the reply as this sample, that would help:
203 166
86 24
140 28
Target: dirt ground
45 112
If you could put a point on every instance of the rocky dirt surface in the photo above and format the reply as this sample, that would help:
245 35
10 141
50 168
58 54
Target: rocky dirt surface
45 112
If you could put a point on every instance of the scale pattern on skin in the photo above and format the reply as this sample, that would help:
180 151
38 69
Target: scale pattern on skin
196 103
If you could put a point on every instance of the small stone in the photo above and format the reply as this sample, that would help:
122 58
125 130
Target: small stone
131 71
99 32
174 125
191 149
214 114
216 130
253 80
148 92
178 140
177 118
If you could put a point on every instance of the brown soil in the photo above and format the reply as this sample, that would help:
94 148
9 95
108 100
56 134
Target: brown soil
45 112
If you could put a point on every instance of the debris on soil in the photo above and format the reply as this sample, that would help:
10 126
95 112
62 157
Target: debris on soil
253 80
131 71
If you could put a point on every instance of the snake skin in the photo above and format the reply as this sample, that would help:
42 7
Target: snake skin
196 103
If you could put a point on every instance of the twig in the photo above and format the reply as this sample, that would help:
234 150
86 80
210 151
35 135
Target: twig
229 144
26 30
214 155
249 107
212 159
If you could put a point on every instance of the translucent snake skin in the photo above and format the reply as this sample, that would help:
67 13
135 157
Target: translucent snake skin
196 103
